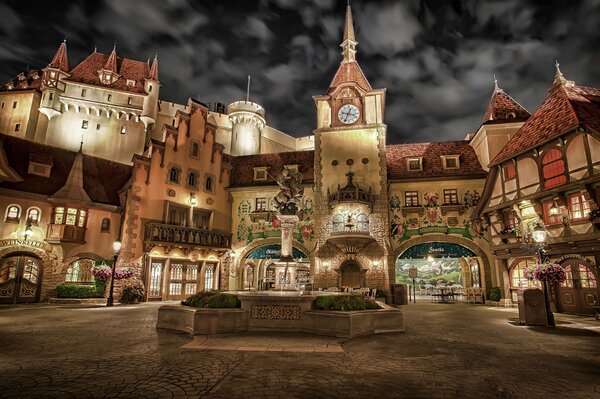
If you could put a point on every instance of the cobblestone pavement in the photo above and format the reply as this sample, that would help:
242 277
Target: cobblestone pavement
447 351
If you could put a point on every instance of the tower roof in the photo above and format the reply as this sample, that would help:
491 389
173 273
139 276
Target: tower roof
73 189
153 74
349 70
111 63
567 106
60 60
503 107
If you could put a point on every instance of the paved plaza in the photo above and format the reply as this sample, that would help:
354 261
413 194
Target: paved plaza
447 351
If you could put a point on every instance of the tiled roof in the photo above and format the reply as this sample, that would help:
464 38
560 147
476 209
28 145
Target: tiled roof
243 167
432 162
566 107
32 81
60 60
95 171
501 106
349 72
87 72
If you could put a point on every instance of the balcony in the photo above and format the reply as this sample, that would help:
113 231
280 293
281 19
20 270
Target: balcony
65 233
185 237
351 238
350 193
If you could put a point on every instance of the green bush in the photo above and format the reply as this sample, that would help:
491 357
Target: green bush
495 294
345 303
212 299
381 294
77 291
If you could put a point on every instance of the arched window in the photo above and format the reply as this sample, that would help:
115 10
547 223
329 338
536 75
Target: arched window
338 223
80 271
105 227
209 278
553 169
192 179
33 215
517 275
195 149
174 175
13 213
208 184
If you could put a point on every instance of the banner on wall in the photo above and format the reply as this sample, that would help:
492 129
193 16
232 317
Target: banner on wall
438 249
273 251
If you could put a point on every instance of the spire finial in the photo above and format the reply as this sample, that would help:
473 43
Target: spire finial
95 48
559 78
115 46
248 90
496 87
349 42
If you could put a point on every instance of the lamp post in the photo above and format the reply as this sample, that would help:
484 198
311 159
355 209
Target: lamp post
539 235
116 250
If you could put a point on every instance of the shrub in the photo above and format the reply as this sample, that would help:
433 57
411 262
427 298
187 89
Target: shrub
381 293
345 303
212 299
77 291
133 291
495 294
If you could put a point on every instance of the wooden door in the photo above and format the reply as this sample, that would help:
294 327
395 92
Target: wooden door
578 293
183 280
20 278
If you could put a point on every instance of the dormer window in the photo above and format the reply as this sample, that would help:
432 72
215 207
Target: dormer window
291 168
450 161
414 164
130 83
260 173
39 165
52 75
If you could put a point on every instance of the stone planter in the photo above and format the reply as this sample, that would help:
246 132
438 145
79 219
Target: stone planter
78 301
197 321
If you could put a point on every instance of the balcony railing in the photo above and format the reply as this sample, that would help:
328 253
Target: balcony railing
169 235
58 233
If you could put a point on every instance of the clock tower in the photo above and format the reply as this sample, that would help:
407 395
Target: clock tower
351 174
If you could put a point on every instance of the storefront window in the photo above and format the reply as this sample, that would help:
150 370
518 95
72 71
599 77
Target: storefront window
82 215
517 275
71 216
586 277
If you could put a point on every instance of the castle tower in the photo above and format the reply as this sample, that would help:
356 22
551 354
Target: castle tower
248 120
52 82
152 88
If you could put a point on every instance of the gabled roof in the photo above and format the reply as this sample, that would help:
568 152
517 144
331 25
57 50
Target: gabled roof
350 72
503 107
102 179
431 154
87 72
566 107
60 60
243 167
32 80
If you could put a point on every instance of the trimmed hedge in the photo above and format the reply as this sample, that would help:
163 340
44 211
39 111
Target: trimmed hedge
495 294
213 300
77 291
345 303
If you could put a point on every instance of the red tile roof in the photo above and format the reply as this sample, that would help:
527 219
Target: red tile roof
432 162
87 72
566 107
501 106
349 72
96 171
60 60
111 63
243 167
32 81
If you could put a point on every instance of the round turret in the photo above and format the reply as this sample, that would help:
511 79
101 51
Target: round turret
247 120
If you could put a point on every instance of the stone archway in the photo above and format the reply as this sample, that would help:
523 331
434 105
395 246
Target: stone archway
486 267
350 274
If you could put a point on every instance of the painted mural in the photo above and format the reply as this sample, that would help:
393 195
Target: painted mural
264 224
431 218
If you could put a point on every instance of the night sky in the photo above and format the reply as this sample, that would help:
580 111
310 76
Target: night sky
435 57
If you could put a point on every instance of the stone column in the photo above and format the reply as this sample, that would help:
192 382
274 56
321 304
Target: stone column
287 229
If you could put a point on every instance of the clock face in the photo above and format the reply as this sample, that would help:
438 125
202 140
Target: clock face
348 114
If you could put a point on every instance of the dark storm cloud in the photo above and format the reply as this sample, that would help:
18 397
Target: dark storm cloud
435 57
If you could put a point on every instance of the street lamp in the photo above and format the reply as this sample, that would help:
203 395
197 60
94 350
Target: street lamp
539 235
193 199
553 210
116 249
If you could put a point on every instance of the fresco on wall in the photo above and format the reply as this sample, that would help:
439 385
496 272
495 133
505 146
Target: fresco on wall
430 219
259 225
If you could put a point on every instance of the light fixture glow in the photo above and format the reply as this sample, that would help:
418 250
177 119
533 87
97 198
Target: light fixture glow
553 210
539 234
117 246
193 200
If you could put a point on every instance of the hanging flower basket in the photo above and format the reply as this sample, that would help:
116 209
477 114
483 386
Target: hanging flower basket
550 272
595 217
103 272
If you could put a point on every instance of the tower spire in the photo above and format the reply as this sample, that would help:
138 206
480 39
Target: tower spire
153 74
60 60
496 87
349 43
559 78
111 63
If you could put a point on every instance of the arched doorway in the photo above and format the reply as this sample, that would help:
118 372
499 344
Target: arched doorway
579 291
444 271
350 275
20 278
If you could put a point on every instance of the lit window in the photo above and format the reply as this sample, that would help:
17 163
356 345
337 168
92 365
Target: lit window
411 198
517 275
579 208
80 271
33 215
82 215
123 129
17 127
549 219
509 171
71 219
553 169
261 205
84 124
208 278
13 213
52 75
414 164
451 196
105 227
59 215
